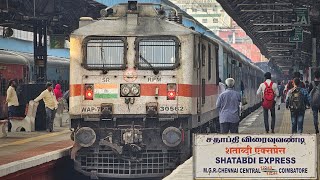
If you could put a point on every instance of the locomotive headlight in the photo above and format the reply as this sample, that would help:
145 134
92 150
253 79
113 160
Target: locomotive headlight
85 136
135 90
171 136
125 90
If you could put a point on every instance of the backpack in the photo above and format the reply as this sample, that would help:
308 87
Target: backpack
315 95
268 96
296 101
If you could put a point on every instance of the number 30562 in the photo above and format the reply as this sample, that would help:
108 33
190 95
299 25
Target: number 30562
171 108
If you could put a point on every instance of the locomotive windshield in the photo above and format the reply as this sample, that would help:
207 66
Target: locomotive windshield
157 53
105 53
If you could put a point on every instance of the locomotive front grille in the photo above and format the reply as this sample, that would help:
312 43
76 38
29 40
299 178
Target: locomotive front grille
107 164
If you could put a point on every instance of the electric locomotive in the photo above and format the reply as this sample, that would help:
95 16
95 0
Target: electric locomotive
140 85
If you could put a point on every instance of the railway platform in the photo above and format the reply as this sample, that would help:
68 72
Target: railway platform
253 124
31 154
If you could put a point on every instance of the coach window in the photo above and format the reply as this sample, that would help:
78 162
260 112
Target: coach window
157 53
105 53
203 55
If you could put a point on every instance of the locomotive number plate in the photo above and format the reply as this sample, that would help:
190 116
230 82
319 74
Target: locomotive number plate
91 109
171 108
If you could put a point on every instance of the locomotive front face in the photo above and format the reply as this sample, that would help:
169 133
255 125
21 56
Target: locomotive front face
131 97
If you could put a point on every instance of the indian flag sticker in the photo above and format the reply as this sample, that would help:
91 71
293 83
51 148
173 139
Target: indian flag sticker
106 91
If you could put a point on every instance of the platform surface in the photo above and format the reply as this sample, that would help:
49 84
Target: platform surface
21 150
253 124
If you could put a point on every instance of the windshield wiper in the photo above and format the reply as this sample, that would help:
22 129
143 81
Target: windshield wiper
155 71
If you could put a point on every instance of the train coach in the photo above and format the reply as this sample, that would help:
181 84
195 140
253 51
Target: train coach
140 85
20 66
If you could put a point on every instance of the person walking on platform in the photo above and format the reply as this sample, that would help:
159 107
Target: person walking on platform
290 83
270 94
12 101
307 84
228 104
57 91
50 103
222 86
281 89
297 101
314 90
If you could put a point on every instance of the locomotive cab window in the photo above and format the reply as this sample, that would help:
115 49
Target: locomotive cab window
157 53
105 53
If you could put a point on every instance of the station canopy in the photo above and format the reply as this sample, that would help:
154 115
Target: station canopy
61 16
282 29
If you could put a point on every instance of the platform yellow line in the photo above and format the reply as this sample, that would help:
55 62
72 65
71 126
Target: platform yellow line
286 123
35 138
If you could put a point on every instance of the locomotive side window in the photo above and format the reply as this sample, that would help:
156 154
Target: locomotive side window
105 53
203 55
156 52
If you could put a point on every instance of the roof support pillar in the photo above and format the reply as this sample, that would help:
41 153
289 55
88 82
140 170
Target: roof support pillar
40 50
314 52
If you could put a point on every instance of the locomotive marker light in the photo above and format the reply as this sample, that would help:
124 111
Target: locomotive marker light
89 92
172 136
171 91
85 137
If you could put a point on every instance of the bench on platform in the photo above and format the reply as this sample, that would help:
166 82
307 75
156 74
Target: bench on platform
3 125
27 122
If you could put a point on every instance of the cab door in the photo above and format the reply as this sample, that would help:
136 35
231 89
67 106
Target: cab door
197 67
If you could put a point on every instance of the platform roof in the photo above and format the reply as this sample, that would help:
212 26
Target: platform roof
62 16
275 25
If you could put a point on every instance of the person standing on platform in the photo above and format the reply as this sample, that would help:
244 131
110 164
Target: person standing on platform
12 101
270 95
57 92
228 104
297 101
314 90
50 103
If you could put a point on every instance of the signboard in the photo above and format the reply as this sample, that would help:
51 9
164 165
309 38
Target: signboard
302 16
57 41
255 156
296 35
